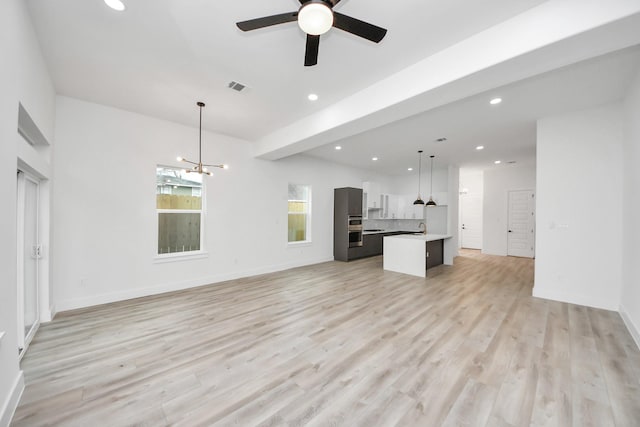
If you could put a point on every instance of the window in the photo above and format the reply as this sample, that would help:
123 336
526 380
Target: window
299 213
179 206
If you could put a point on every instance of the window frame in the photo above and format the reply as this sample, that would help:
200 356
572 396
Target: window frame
308 235
185 255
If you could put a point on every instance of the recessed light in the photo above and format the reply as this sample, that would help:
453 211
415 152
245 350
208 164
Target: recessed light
338 147
495 101
115 5
374 159
497 162
409 169
480 147
312 97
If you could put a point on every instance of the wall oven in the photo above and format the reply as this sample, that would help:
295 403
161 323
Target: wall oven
355 230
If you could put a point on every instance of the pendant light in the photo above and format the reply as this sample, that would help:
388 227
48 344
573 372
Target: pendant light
419 200
199 167
431 202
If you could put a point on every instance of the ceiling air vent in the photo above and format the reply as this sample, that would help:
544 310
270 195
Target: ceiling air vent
236 86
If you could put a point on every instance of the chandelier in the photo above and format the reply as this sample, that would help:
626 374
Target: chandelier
199 167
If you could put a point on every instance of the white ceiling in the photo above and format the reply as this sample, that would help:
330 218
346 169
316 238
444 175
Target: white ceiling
161 56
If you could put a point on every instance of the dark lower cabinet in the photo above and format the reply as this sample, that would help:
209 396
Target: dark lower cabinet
372 244
435 253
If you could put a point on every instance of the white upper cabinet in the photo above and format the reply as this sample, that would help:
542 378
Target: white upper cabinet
373 194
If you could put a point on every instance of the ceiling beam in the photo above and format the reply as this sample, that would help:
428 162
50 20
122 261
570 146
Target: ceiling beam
549 36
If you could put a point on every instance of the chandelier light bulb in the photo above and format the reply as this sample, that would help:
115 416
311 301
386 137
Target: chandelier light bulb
315 18
115 5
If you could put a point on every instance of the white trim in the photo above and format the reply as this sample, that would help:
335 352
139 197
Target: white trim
76 303
308 213
51 314
11 403
299 244
177 211
187 255
22 178
573 298
180 256
633 328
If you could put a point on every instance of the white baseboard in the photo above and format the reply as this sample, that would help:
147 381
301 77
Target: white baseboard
48 314
632 327
574 299
11 403
76 303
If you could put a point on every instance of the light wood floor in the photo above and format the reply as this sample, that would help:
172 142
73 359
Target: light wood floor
339 344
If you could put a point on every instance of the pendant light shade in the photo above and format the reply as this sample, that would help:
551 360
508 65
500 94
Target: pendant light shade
431 202
199 167
419 200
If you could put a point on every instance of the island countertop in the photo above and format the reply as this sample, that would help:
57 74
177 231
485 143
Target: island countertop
424 237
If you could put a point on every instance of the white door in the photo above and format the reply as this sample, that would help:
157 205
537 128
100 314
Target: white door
471 221
521 227
28 256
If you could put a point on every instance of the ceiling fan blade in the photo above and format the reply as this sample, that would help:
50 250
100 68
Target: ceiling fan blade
358 27
267 21
311 53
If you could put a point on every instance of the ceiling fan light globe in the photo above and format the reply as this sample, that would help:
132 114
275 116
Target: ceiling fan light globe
315 18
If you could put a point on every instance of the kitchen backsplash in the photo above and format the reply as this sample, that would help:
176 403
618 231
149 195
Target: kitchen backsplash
435 224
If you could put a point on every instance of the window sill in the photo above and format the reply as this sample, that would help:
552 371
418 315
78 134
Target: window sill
299 244
179 256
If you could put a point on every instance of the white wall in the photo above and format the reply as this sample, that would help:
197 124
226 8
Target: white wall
23 78
579 208
105 232
630 305
497 183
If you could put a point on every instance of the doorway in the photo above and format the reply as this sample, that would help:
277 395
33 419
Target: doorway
471 221
521 224
29 252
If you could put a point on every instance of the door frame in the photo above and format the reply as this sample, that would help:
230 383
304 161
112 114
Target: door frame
25 339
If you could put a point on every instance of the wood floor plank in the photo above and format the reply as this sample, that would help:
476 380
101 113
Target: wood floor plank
344 344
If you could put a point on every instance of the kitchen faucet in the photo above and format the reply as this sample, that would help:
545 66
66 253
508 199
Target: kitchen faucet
424 231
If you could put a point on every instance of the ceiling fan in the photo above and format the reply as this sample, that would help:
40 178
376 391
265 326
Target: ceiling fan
316 17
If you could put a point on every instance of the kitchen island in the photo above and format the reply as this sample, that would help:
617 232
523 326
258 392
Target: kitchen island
415 253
